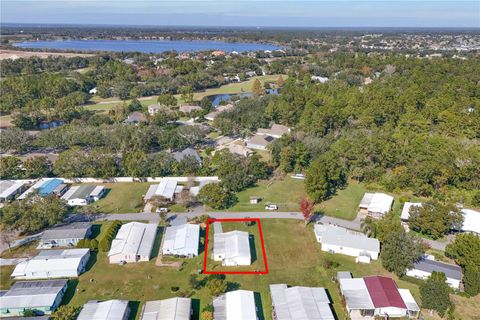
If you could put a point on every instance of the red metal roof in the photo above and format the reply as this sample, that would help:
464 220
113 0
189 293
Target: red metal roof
384 292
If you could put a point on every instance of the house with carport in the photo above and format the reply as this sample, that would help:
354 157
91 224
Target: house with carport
133 243
232 248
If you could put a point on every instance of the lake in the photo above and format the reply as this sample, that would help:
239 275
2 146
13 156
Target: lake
147 46
217 98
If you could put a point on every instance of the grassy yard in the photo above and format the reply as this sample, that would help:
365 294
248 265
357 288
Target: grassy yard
26 250
258 263
5 279
345 203
286 194
100 104
122 197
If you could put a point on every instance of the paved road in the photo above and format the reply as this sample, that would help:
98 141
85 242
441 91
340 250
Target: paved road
11 262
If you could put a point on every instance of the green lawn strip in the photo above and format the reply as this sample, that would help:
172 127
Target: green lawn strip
344 204
23 251
5 280
294 257
256 250
122 197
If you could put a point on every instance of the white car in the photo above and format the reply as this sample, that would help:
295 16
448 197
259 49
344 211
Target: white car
162 210
271 207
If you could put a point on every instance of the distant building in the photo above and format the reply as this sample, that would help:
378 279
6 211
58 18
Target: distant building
189 108
423 269
232 248
259 142
377 296
471 222
406 209
155 108
133 243
49 264
218 53
135 117
165 190
235 305
167 309
376 205
300 303
83 195
182 240
212 115
105 310
276 131
319 79
188 152
44 187
254 200
42 296
336 239
11 188
65 236
93 91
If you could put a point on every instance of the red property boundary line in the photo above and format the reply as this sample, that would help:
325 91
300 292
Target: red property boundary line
264 254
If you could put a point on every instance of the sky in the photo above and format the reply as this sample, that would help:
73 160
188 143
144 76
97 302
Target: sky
246 13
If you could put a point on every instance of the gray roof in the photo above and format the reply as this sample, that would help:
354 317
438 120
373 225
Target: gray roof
300 303
168 309
76 230
344 275
450 270
31 294
189 152
104 310
83 192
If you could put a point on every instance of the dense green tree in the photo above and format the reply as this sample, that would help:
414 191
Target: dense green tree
324 177
38 167
435 219
187 94
465 249
435 293
65 312
471 279
14 140
215 196
399 251
10 168
167 99
257 87
217 286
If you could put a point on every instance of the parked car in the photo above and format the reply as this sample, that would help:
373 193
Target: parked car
162 210
271 207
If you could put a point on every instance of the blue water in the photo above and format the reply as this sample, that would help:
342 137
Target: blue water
217 98
147 46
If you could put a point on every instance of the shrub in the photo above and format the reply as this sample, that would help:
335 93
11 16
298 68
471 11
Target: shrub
329 264
104 244
93 245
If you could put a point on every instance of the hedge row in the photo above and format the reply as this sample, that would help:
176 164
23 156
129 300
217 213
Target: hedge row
91 244
105 242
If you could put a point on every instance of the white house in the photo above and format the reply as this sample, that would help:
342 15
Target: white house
42 296
83 195
471 221
424 268
235 305
164 190
105 310
167 309
53 264
10 188
376 296
182 240
65 236
336 239
276 131
376 204
133 243
300 303
232 248
406 209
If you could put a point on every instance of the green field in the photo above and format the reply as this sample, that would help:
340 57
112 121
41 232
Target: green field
344 204
122 197
287 194
100 104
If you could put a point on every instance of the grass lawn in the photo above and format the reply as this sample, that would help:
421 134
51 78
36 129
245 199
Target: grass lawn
258 263
26 250
294 258
345 203
5 280
122 197
101 104
286 194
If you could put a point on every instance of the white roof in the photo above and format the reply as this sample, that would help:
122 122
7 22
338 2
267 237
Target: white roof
168 309
51 261
183 237
356 293
67 195
408 300
300 303
134 238
377 202
31 294
335 235
232 244
105 310
9 187
235 305
406 209
471 221
97 191
166 189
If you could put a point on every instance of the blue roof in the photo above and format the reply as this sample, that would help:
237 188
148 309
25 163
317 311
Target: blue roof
48 186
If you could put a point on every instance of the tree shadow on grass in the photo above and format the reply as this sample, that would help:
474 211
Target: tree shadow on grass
195 309
96 228
201 248
253 250
71 289
134 309
259 306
